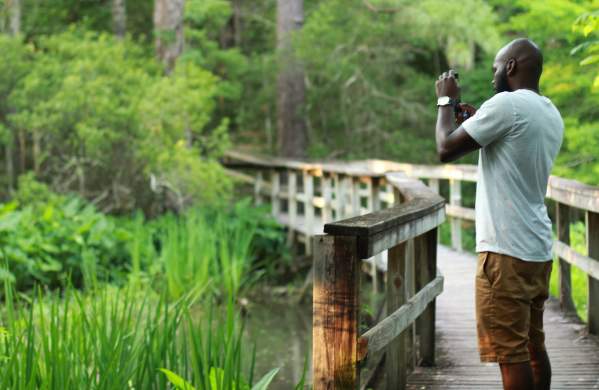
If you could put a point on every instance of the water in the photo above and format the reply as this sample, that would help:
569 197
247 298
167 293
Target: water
283 335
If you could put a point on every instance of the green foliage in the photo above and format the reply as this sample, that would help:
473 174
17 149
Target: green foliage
211 251
103 120
370 74
120 339
58 240
588 24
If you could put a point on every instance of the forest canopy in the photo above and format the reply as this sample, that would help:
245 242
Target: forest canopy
106 101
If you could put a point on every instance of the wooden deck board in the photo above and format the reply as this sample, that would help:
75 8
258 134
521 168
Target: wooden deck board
574 355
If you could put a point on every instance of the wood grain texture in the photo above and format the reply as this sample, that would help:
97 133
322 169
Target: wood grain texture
389 328
335 313
573 193
426 270
395 357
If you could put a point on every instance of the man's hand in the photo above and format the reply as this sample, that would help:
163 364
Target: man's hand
447 85
464 112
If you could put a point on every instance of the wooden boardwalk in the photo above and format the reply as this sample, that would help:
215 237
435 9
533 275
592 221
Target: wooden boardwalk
574 355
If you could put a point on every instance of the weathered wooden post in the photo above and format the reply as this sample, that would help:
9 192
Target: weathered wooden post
291 205
433 184
592 233
327 196
565 280
396 359
258 187
355 196
275 188
336 312
426 271
455 199
308 180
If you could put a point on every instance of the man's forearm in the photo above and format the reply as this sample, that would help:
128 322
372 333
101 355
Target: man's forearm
445 125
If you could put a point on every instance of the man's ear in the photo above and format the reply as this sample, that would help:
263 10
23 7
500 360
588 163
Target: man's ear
511 66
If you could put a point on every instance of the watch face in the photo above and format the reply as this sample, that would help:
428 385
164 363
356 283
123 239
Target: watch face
443 101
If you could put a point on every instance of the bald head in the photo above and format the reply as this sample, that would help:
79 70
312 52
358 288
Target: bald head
518 64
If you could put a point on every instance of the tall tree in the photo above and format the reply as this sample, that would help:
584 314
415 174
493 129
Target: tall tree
291 126
14 12
168 30
119 17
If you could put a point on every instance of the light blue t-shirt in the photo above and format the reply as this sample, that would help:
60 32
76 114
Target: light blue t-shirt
520 133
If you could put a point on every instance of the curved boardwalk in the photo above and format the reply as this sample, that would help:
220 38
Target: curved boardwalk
574 355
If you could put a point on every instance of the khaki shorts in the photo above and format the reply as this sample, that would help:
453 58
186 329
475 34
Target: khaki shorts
510 297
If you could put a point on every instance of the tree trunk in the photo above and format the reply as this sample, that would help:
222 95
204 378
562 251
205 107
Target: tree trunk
14 12
291 126
119 17
14 9
168 29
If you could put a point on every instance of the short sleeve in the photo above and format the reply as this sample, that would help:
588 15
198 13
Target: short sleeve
493 120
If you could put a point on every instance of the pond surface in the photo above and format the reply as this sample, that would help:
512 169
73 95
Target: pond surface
283 336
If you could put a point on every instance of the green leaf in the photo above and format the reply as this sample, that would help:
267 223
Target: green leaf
590 60
176 380
266 379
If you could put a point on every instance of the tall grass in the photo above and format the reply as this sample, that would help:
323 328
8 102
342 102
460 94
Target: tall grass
208 250
120 339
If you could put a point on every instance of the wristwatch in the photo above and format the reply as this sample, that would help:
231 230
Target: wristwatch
446 101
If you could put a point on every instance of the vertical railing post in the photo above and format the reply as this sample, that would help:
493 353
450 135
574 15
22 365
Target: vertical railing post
592 224
426 270
455 199
396 362
356 207
308 180
410 282
275 187
433 184
258 185
336 312
565 280
374 204
291 205
327 196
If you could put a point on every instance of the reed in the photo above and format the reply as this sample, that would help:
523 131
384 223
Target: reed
121 339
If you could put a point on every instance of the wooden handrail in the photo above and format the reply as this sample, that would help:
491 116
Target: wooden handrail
337 346
373 229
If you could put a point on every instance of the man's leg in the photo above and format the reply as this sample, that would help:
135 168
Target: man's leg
517 376
541 368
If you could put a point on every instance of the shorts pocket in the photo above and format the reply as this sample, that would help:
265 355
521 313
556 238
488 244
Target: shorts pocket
482 271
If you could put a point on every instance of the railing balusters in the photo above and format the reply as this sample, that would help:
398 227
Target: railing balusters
426 271
592 238
291 204
433 184
455 199
258 185
327 195
354 182
275 190
308 180
565 280
396 360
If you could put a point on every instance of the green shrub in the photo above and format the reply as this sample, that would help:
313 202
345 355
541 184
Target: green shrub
55 240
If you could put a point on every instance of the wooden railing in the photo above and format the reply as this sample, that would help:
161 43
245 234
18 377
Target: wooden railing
338 348
308 197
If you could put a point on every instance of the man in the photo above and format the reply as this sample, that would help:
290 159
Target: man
519 133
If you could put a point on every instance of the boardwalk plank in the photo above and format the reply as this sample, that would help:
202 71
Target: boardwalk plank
574 354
